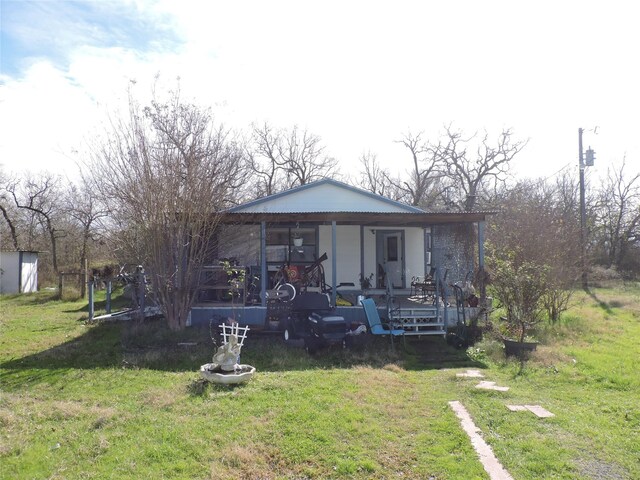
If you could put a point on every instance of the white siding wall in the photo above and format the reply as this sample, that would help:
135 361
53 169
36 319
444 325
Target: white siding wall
370 265
9 272
414 244
29 272
348 239
325 198
348 253
12 272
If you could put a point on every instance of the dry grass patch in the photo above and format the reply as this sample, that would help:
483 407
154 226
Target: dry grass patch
247 463
161 398
547 356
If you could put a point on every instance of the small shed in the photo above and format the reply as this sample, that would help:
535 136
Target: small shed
18 272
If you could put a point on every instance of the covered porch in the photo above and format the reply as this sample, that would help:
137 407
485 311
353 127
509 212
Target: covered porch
380 255
374 247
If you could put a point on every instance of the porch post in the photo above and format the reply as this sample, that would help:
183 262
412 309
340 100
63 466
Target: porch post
361 251
481 245
263 264
483 287
334 262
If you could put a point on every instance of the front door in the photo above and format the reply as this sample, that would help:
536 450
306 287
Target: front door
390 248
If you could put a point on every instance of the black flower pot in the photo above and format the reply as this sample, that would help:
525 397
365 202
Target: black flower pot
514 348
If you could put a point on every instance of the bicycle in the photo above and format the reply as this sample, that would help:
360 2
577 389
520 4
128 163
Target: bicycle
282 284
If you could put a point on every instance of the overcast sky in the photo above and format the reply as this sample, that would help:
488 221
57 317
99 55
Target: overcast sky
358 74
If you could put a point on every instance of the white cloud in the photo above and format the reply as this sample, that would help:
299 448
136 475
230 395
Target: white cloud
357 73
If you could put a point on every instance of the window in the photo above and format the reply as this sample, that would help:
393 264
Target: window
392 249
282 248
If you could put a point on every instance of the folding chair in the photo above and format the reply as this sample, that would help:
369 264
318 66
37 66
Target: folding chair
375 323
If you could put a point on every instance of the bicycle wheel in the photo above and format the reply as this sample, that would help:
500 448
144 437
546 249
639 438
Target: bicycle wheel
290 289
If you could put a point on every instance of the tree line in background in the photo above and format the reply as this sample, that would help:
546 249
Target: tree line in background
168 160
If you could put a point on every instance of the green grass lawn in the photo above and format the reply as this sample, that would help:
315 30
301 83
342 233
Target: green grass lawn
125 401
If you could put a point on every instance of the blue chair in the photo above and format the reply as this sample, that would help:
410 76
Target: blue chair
375 323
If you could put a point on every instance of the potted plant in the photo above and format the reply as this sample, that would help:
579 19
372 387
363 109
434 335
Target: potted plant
519 287
297 239
365 285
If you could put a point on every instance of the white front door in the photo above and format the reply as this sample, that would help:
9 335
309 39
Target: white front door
393 258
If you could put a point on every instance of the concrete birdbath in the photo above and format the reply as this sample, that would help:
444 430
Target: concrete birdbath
225 368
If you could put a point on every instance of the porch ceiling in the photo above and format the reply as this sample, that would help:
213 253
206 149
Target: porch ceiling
359 218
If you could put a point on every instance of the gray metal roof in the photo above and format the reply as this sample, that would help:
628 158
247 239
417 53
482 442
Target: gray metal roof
363 195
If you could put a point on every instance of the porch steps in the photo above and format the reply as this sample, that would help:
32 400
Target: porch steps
421 321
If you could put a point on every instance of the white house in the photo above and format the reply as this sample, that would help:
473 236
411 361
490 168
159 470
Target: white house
18 272
363 235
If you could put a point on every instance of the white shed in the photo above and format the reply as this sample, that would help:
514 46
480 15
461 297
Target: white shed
18 272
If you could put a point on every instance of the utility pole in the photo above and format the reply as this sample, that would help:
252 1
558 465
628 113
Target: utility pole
583 214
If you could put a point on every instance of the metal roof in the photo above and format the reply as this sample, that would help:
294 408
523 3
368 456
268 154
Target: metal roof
417 219
363 194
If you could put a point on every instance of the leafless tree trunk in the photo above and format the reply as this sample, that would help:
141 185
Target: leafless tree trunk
169 172
12 228
472 173
40 196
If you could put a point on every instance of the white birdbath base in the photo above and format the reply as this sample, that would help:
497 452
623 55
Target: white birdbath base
241 375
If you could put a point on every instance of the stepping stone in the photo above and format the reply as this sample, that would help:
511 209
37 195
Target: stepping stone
491 386
537 410
517 408
470 374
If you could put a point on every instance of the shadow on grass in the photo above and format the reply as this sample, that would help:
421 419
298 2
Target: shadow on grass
38 298
601 303
152 345
118 303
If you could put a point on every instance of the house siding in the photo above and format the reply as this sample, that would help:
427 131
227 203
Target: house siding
324 197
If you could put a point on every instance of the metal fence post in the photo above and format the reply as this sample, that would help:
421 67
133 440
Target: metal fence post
91 306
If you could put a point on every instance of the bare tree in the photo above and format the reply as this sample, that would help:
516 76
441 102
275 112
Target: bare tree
168 171
473 173
376 179
422 185
5 207
85 210
284 159
40 195
12 228
536 227
262 154
618 213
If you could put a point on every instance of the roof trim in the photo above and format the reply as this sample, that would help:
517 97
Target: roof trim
329 181
357 218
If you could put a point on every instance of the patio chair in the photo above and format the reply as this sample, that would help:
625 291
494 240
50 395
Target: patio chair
375 323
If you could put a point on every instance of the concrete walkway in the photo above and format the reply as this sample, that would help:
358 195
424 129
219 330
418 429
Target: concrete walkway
489 461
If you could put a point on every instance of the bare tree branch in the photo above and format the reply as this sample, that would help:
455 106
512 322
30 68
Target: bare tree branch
472 174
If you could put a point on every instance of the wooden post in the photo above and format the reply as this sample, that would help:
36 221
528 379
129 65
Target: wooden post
60 283
84 279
